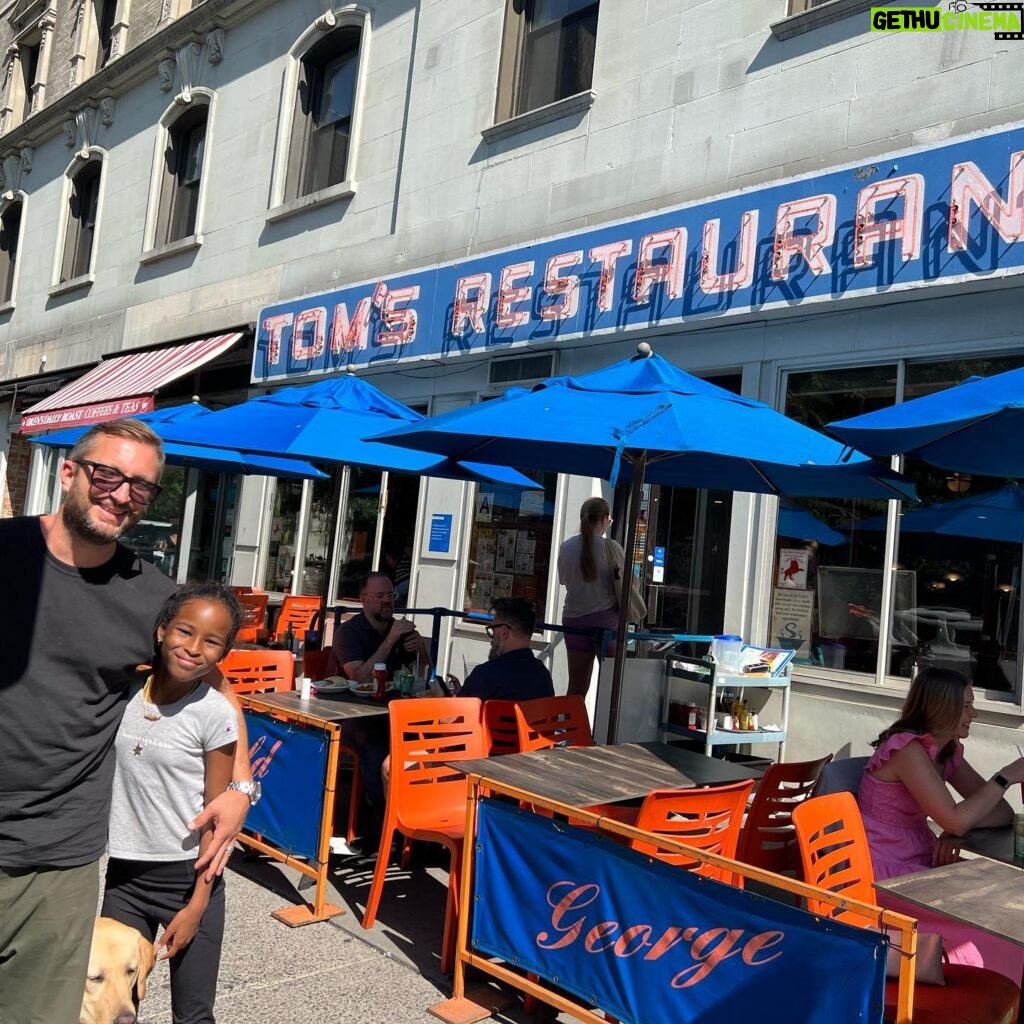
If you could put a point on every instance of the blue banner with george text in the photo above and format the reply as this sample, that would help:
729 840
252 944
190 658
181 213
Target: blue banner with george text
647 941
290 762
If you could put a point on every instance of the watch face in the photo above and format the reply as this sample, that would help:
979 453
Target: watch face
255 792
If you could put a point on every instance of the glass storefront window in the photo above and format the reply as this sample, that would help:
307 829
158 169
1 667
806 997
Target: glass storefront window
829 555
284 535
213 527
358 535
510 543
157 535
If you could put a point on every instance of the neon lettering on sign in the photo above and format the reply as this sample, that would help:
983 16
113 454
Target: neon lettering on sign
822 238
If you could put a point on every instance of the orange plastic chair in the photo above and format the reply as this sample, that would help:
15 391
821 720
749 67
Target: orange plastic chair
426 799
768 839
254 616
553 722
500 727
707 818
259 671
835 856
296 612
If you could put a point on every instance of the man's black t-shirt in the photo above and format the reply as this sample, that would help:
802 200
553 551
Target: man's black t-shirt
357 640
70 641
517 675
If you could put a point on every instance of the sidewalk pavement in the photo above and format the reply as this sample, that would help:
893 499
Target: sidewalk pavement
333 972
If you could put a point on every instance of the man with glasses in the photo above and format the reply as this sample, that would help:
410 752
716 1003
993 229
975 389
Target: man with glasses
77 612
511 671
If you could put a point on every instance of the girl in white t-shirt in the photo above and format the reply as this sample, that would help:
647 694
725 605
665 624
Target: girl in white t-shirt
174 753
586 565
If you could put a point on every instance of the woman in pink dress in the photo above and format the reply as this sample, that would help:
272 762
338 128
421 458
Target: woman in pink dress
905 784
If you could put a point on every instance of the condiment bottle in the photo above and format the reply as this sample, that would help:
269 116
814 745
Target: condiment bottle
380 680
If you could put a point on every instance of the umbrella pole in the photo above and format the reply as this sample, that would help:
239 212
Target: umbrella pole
635 495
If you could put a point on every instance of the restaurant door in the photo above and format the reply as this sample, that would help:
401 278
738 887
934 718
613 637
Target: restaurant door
213 527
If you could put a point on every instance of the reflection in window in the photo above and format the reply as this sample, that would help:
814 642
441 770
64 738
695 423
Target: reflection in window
182 176
358 534
80 232
157 536
827 592
510 543
284 530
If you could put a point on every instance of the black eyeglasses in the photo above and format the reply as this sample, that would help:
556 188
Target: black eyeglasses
106 479
489 629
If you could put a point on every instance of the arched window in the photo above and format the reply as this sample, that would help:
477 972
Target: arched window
316 153
181 176
10 236
80 228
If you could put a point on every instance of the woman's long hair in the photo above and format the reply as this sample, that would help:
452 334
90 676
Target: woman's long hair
592 514
934 704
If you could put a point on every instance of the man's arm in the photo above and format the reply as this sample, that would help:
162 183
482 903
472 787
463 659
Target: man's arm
401 631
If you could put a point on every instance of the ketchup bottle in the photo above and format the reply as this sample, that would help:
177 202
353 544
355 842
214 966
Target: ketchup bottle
380 680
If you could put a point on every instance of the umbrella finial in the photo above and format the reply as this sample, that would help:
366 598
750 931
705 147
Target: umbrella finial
195 399
644 350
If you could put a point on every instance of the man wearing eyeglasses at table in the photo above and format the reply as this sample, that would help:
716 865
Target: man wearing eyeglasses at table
511 671
77 612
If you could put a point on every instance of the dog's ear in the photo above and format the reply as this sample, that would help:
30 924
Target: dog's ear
146 960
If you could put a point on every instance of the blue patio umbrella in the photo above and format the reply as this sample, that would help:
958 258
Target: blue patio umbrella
329 421
643 418
995 515
216 460
974 427
799 523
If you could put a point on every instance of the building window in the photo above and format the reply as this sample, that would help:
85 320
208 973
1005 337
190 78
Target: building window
321 139
952 598
80 231
104 11
547 53
181 176
10 235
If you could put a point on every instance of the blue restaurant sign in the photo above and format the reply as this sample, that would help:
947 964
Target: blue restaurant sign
646 941
290 762
937 215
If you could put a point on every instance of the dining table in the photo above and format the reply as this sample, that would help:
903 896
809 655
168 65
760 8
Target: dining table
328 707
995 842
587 776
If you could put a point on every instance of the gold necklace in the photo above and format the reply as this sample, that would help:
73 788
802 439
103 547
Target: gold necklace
151 712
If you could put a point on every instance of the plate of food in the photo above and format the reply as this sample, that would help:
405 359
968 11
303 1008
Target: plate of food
332 684
366 689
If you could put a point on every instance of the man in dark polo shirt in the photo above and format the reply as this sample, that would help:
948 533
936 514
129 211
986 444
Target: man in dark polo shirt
511 671
372 636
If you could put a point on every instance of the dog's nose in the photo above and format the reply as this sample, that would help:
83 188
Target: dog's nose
125 1018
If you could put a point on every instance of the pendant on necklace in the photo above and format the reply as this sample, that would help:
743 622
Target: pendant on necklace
150 712
137 749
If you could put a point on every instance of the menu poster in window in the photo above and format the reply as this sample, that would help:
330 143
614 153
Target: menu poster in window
531 503
485 551
793 564
505 553
502 587
526 546
791 620
482 590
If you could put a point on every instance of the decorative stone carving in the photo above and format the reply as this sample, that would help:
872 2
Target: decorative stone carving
27 155
166 9
165 69
107 111
81 132
188 62
68 128
215 45
326 21
12 168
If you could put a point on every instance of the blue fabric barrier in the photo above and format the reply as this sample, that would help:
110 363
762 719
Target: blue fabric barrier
290 761
647 941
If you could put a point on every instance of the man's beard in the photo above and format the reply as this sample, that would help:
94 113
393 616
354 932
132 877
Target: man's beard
381 618
76 518
494 653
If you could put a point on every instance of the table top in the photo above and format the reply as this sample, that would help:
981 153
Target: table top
995 843
335 708
584 776
983 893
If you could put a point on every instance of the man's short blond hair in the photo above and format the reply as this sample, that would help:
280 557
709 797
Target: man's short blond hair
131 430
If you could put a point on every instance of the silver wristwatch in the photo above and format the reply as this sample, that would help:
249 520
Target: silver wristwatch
252 790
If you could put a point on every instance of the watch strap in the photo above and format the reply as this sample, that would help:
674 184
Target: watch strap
1001 780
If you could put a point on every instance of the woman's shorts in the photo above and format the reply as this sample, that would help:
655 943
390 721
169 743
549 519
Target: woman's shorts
608 619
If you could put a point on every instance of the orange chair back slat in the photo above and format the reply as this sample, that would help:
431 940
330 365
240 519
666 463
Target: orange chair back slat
834 853
500 727
254 616
259 671
708 819
768 839
297 612
553 722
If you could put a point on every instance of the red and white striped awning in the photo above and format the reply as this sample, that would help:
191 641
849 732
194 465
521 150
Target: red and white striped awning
122 386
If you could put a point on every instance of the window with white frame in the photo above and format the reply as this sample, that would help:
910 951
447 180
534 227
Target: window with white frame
180 175
321 110
10 238
100 35
80 223
547 53
103 38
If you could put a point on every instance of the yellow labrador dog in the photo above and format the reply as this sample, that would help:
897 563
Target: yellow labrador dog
119 963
